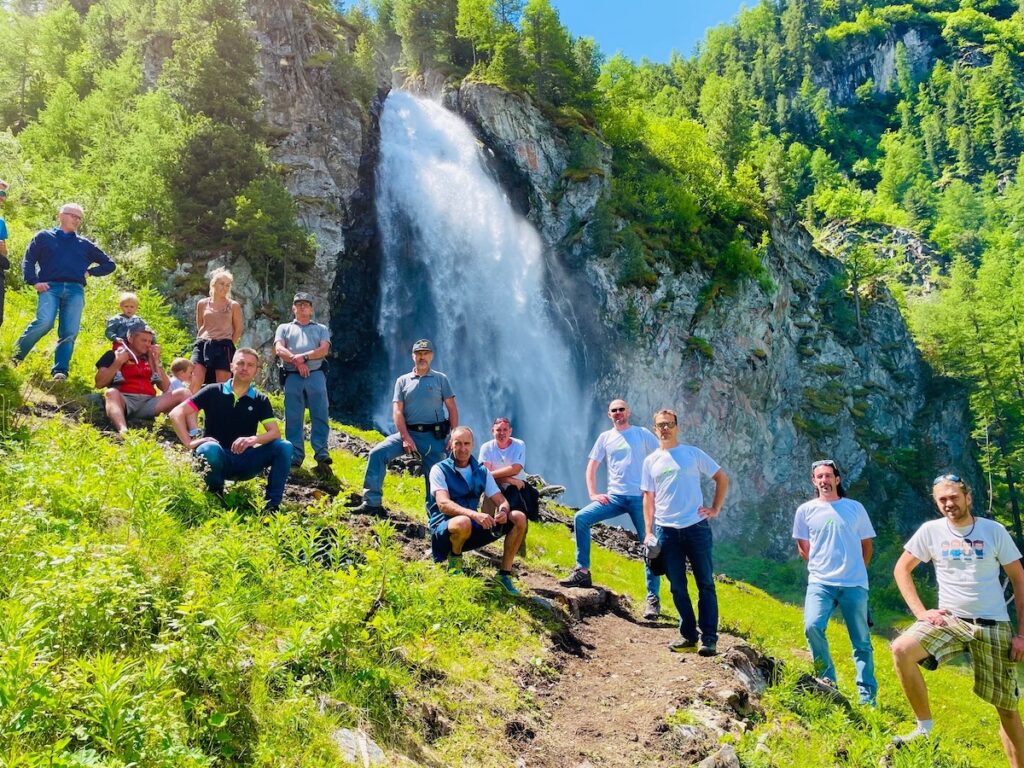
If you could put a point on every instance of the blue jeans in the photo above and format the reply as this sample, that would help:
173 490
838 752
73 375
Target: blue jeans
299 394
693 544
431 449
67 300
596 512
820 601
224 465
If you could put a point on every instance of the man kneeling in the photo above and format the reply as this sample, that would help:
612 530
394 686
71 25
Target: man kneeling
456 485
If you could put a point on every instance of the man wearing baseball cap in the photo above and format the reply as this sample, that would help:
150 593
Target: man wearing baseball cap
424 412
302 346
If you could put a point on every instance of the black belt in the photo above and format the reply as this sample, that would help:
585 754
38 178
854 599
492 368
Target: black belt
427 427
980 622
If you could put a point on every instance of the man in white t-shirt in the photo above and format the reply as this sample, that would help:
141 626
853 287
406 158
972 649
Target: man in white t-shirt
456 485
675 517
625 447
833 534
967 553
505 457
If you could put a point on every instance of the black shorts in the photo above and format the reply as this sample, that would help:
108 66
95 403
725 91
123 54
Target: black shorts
214 355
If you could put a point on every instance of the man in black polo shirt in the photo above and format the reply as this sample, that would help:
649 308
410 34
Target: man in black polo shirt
230 446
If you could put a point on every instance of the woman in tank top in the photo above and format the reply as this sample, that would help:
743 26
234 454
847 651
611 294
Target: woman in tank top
219 324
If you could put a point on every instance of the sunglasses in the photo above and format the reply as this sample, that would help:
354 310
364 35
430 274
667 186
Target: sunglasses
665 425
616 410
947 479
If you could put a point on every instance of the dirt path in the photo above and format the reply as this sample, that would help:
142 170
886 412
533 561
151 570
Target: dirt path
607 706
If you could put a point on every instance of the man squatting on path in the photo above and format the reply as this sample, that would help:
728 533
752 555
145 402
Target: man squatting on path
833 534
967 552
419 406
625 447
676 519
456 526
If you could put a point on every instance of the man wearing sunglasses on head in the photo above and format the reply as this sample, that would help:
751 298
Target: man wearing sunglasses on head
625 447
675 517
967 553
833 534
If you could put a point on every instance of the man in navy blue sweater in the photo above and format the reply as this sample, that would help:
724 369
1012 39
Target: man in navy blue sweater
56 264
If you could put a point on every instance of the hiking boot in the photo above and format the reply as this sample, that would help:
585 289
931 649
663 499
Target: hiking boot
455 564
578 578
59 376
324 458
366 508
652 608
504 581
707 649
682 645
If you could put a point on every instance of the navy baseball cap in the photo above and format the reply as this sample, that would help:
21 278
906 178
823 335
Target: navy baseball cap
423 345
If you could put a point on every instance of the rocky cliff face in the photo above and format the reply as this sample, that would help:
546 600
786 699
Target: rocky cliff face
765 381
860 59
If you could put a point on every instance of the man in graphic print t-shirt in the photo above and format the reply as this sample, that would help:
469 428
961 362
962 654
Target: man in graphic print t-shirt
967 553
833 534
624 447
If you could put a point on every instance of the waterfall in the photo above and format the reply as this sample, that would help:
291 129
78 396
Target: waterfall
461 268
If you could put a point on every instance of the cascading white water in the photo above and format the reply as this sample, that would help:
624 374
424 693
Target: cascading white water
461 268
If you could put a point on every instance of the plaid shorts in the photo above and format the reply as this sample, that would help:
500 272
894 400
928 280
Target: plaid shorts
995 676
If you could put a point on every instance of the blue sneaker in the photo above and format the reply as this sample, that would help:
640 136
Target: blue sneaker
505 582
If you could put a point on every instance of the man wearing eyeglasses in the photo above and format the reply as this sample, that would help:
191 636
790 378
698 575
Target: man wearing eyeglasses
625 447
675 517
967 553
833 534
56 264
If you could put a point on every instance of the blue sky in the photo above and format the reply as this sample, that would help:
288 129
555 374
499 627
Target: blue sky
651 28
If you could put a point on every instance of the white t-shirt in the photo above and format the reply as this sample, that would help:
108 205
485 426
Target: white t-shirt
438 482
500 458
176 384
967 563
674 478
835 530
625 451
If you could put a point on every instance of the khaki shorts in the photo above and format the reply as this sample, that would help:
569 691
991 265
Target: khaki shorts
995 676
140 406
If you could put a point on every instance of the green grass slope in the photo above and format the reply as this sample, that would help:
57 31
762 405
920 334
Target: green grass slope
141 624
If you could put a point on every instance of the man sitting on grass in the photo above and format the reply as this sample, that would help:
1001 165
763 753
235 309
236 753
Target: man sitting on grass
456 485
230 446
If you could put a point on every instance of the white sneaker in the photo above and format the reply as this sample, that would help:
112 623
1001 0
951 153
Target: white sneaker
914 735
58 376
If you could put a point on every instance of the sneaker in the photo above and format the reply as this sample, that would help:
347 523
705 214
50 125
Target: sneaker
454 563
504 581
373 510
652 608
60 376
578 578
682 645
707 649
907 738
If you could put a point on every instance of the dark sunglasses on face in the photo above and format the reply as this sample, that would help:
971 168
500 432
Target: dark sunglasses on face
664 425
616 410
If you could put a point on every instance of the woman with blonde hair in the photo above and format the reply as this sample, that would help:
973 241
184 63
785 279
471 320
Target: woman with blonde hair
219 324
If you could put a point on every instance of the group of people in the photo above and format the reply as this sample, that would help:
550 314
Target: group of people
653 479
216 380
